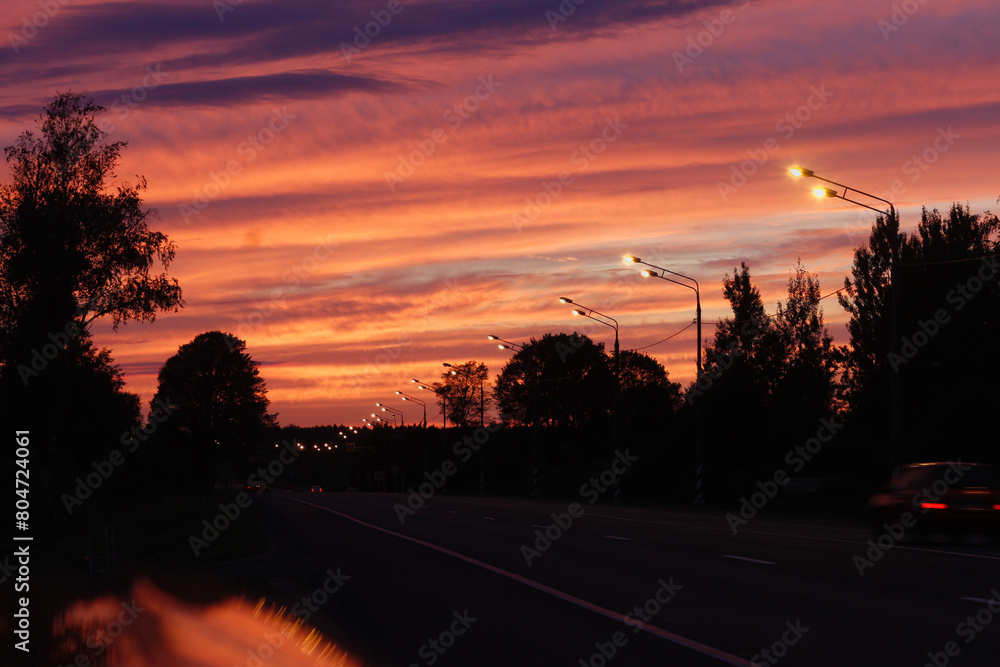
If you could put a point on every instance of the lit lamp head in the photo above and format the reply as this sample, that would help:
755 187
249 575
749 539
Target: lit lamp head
798 172
632 259
824 192
578 312
565 299
646 273
492 337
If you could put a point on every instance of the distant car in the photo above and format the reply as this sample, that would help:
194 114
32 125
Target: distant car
316 489
256 487
953 498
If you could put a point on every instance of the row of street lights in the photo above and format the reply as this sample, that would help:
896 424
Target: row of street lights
660 272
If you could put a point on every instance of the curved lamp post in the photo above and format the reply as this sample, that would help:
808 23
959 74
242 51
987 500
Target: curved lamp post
632 259
584 311
699 469
393 412
444 402
407 397
800 172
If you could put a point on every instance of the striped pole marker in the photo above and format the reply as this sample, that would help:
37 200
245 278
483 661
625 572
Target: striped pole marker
699 499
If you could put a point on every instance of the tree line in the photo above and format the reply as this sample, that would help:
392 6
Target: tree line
914 381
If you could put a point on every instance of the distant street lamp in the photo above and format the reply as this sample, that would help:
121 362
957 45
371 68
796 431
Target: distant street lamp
505 344
379 419
631 259
393 412
584 311
699 425
444 401
407 397
798 172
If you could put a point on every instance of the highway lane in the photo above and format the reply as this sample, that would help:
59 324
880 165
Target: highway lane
788 585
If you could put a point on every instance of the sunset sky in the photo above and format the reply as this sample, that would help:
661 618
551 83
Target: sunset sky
363 207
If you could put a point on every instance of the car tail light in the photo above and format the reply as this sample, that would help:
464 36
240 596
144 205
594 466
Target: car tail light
996 507
933 506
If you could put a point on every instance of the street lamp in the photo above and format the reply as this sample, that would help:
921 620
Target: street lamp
505 344
393 412
584 311
444 402
799 172
632 259
699 470
379 419
407 397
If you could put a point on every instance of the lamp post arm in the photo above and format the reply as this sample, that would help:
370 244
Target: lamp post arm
892 210
676 282
696 287
847 189
597 312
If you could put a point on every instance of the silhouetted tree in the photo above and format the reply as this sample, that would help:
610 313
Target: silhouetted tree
74 247
560 379
747 345
866 297
462 388
768 381
947 287
649 398
218 403
810 359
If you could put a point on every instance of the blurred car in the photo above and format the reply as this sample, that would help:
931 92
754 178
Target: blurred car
316 489
954 498
256 487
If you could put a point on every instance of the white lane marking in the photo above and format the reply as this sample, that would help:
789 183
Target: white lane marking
615 537
992 601
535 525
590 606
452 512
939 551
489 518
751 560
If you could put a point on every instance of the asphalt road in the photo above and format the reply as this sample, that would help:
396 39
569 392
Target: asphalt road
452 585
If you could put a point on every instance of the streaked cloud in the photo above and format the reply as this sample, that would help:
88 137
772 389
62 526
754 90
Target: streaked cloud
345 287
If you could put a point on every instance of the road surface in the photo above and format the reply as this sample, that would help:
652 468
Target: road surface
474 581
